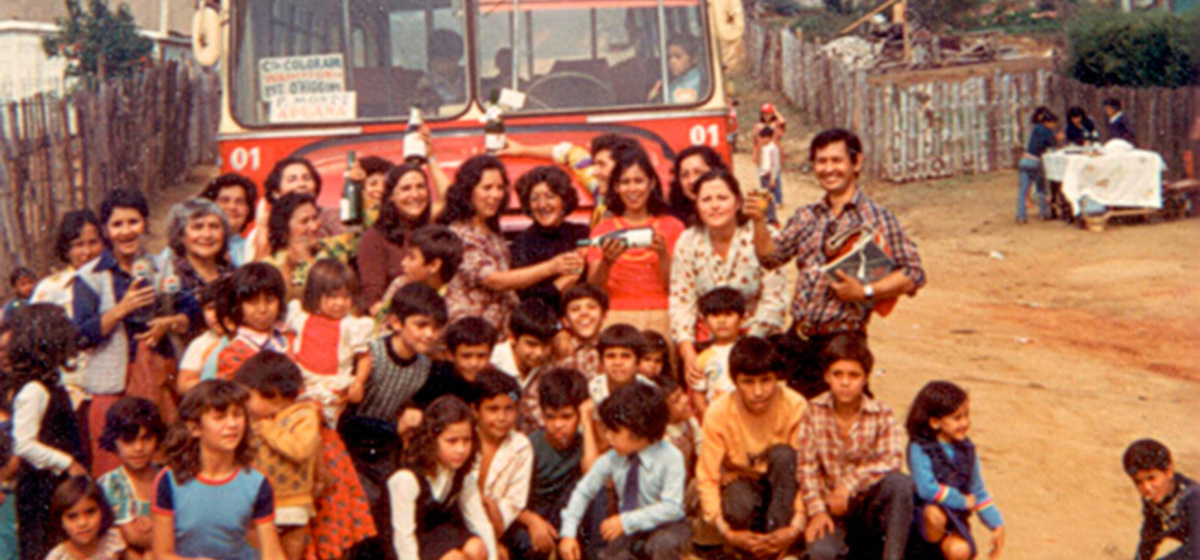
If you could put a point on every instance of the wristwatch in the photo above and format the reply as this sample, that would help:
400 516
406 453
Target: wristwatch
868 292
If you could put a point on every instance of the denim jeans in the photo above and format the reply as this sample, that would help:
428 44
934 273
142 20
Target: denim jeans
1030 171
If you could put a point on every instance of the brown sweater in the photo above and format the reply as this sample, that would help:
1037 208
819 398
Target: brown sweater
288 452
378 264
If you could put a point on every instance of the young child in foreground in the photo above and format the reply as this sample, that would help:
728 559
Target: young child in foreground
134 430
945 469
436 507
208 499
85 521
563 450
849 461
648 474
1170 501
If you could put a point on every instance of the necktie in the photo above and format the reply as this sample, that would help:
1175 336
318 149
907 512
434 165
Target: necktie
629 497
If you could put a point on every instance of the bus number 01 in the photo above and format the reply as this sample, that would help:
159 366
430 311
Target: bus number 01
701 135
241 157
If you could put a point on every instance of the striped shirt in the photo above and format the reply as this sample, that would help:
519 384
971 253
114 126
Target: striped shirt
872 449
803 238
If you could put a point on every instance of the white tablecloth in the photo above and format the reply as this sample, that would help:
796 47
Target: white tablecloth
1115 177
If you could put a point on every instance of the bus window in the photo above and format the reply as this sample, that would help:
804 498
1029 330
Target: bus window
303 61
593 54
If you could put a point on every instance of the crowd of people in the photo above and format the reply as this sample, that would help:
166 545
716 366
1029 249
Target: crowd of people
275 385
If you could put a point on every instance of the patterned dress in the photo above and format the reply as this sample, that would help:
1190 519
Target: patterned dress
466 296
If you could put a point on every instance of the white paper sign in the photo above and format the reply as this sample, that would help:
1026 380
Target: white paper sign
301 75
320 107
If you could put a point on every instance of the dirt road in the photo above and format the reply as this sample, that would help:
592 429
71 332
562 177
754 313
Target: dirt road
1072 345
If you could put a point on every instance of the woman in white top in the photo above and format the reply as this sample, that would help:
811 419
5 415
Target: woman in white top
719 251
79 240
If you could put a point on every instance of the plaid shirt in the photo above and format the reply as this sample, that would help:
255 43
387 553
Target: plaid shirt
871 450
814 303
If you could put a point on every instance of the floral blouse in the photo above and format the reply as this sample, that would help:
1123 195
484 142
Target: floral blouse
696 269
340 247
466 296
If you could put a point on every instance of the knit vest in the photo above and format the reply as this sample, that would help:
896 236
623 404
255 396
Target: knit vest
954 472
59 428
104 370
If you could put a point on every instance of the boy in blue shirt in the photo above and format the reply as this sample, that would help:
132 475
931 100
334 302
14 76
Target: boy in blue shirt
648 475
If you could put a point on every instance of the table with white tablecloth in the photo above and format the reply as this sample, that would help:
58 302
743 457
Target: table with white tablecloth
1113 176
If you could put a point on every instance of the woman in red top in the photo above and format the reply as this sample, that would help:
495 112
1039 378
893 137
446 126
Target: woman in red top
636 280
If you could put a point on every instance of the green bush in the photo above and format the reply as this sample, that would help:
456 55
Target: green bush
1140 49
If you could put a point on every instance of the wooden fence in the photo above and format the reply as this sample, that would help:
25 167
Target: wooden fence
60 154
959 120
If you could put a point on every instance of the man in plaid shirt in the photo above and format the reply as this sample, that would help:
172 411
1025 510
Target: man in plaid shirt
823 306
848 464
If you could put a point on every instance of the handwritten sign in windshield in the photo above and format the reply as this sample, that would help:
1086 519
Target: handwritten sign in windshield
301 75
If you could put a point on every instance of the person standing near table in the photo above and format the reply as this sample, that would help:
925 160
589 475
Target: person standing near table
1119 125
1030 168
823 307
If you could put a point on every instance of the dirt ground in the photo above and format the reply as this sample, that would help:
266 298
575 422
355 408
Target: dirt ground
1072 344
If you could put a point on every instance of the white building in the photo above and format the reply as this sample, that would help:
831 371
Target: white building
26 70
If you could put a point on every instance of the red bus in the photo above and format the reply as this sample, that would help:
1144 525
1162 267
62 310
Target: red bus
318 78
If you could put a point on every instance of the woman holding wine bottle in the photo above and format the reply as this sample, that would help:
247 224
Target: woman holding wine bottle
719 251
121 333
296 243
548 197
412 193
289 175
636 279
485 283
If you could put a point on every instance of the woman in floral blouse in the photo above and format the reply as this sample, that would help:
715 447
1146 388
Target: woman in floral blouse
719 251
484 285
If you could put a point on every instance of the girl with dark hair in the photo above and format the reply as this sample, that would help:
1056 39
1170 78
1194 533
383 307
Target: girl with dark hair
80 239
406 206
120 325
690 164
484 284
945 470
1041 140
636 279
719 251
296 241
548 197
253 307
44 430
1080 129
436 503
292 175
85 522
208 498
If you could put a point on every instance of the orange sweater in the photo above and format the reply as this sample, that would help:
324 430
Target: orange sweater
735 441
288 448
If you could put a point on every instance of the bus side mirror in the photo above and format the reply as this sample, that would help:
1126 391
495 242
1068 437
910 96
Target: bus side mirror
206 35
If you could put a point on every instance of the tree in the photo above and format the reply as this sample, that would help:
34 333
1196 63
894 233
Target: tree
99 43
1140 49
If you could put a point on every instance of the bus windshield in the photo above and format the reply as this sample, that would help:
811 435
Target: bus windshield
594 54
322 61
296 61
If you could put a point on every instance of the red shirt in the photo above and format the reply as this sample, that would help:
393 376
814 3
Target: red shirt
635 281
